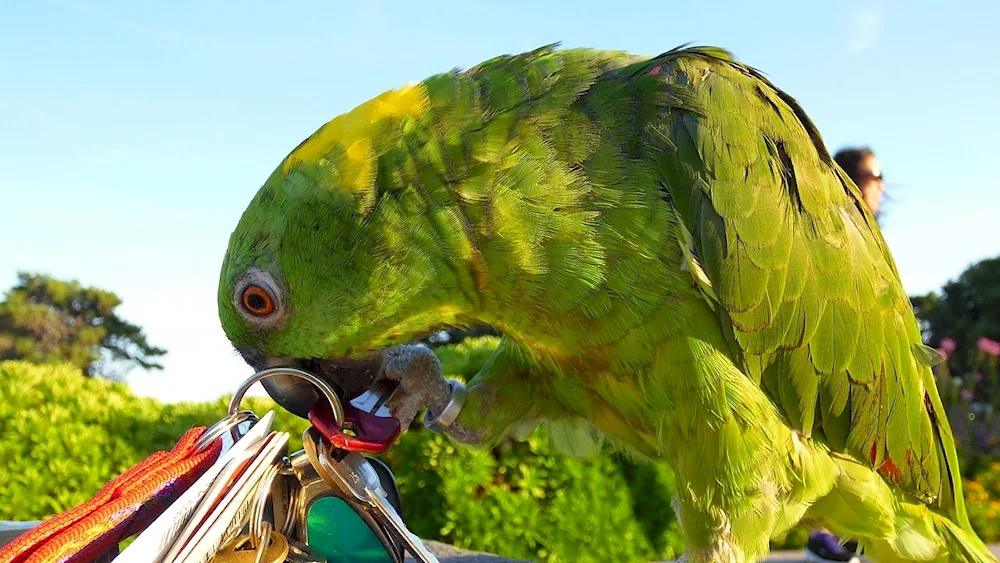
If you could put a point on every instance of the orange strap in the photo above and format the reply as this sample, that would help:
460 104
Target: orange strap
125 506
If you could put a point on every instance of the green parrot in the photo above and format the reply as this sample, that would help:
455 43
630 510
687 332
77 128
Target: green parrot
676 264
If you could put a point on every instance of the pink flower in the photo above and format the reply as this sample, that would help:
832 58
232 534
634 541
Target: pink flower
948 345
988 346
967 395
943 352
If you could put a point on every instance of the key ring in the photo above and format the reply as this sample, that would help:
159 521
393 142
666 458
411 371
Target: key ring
256 513
335 405
257 508
259 527
294 495
264 542
218 429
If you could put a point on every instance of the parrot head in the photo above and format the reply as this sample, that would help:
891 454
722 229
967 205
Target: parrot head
321 272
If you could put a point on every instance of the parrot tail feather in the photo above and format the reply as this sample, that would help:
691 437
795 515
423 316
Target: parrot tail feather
890 525
932 537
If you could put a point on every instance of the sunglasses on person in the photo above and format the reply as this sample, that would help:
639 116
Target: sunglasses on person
871 175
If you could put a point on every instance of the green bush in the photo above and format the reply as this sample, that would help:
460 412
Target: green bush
62 436
982 497
525 502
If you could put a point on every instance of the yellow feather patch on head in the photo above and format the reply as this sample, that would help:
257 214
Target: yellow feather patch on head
354 132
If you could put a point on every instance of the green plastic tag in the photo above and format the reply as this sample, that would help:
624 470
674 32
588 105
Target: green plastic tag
340 535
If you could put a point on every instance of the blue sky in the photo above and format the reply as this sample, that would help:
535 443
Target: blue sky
133 134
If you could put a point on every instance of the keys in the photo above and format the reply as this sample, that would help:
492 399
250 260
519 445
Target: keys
310 486
381 503
333 530
274 550
299 552
369 433
383 390
277 500
225 512
355 476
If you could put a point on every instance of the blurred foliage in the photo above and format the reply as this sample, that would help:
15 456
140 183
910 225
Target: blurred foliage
972 402
982 494
464 359
45 320
966 310
524 501
963 323
796 538
62 436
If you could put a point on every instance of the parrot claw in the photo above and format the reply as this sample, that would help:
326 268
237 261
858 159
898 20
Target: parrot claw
421 381
412 370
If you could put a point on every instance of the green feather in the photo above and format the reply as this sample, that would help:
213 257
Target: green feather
574 438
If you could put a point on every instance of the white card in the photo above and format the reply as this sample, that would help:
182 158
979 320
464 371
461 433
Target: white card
154 542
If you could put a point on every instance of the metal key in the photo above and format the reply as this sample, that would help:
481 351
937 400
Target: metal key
274 550
299 552
354 475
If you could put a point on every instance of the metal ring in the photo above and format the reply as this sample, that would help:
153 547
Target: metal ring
264 541
216 431
288 526
449 413
256 515
324 388
294 496
259 506
282 470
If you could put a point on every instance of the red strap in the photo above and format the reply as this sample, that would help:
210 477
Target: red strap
123 507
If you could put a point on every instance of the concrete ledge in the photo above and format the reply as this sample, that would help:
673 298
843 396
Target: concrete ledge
451 554
10 530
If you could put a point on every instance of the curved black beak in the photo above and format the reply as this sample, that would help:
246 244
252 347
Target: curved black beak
292 394
349 379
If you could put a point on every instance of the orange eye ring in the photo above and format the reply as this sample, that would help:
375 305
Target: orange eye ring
257 301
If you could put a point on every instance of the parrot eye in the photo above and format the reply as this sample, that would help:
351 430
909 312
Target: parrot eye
259 298
257 301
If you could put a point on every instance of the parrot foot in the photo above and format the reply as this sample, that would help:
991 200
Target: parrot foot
421 381
421 384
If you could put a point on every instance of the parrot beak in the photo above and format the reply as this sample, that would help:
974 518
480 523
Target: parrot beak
349 379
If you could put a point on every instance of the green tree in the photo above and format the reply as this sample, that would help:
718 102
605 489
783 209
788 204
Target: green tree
965 310
45 320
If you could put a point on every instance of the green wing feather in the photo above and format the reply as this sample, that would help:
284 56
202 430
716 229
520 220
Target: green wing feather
807 286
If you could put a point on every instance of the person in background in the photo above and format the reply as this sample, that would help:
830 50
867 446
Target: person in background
866 171
864 168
